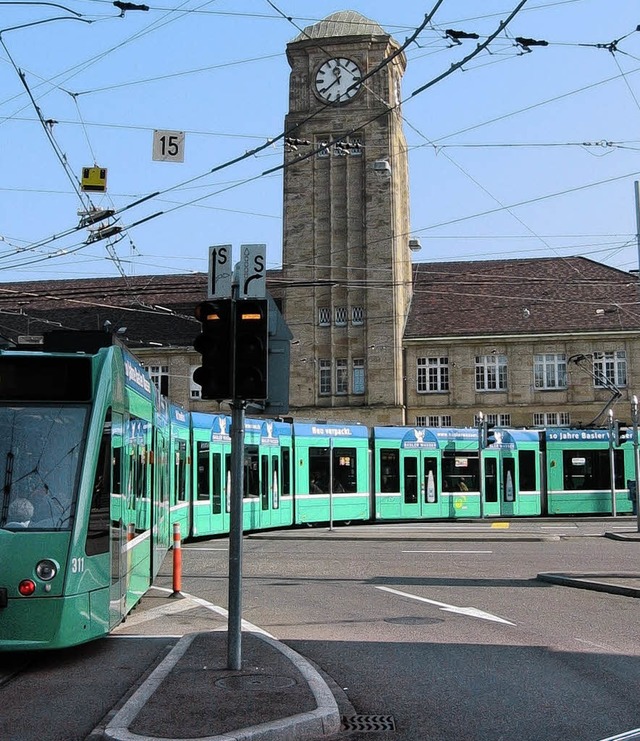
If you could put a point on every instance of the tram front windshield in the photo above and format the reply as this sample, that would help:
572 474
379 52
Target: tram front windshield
40 452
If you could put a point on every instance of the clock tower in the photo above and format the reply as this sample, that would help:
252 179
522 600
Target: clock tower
346 257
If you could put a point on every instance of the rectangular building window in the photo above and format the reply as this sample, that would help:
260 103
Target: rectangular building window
491 372
195 390
341 316
432 375
551 419
324 317
499 420
611 367
342 376
160 377
421 421
358 376
324 377
322 141
357 316
439 420
550 371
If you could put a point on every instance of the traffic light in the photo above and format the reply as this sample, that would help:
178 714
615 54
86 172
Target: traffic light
622 432
490 434
252 349
215 344
487 434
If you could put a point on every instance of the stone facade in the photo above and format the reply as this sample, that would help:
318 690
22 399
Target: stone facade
346 258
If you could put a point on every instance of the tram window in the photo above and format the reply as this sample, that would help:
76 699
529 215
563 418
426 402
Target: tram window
389 470
216 488
590 469
460 472
345 470
410 480
181 470
430 486
116 470
100 514
527 470
264 481
275 488
285 455
202 473
490 480
251 478
318 470
508 479
227 478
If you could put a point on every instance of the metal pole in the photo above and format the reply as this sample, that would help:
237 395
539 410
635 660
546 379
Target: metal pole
612 465
637 194
331 484
636 459
234 628
481 461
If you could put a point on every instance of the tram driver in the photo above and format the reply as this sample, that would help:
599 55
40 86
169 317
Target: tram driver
20 513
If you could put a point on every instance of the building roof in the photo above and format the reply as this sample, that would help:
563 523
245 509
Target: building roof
520 297
343 23
154 309
450 299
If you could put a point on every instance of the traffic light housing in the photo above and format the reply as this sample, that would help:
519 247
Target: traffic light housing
251 349
215 344
622 432
490 434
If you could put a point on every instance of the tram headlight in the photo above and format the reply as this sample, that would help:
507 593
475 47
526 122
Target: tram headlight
46 569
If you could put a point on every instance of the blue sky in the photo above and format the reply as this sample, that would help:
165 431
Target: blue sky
517 154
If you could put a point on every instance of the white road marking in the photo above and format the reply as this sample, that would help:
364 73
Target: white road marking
626 736
217 609
442 550
195 548
469 611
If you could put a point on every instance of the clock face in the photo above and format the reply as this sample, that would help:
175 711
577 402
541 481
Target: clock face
338 80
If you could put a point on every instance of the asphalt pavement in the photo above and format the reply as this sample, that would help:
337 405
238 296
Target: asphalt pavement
278 695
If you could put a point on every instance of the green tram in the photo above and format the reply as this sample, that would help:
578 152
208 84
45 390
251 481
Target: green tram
578 470
84 518
267 492
435 473
332 473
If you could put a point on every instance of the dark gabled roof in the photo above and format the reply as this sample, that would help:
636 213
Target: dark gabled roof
500 297
155 309
452 299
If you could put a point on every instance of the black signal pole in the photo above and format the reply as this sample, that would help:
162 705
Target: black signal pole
234 625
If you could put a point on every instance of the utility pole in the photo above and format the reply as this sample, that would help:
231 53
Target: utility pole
612 465
636 459
481 445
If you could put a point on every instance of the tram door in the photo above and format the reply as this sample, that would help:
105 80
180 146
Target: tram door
499 489
421 495
118 528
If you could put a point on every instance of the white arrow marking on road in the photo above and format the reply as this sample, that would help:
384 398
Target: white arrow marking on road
470 611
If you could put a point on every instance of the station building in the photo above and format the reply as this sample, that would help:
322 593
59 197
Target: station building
377 338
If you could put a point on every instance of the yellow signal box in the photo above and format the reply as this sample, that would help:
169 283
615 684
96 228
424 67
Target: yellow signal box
94 179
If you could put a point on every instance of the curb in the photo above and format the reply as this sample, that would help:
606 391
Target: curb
590 581
323 721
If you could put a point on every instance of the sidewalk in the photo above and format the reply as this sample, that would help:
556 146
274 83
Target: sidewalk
278 695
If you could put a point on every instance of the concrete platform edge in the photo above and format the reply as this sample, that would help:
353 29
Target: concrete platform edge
324 721
592 583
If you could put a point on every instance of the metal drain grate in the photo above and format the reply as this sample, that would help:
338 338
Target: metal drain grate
368 723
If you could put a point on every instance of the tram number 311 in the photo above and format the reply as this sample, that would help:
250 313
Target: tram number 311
77 565
168 146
